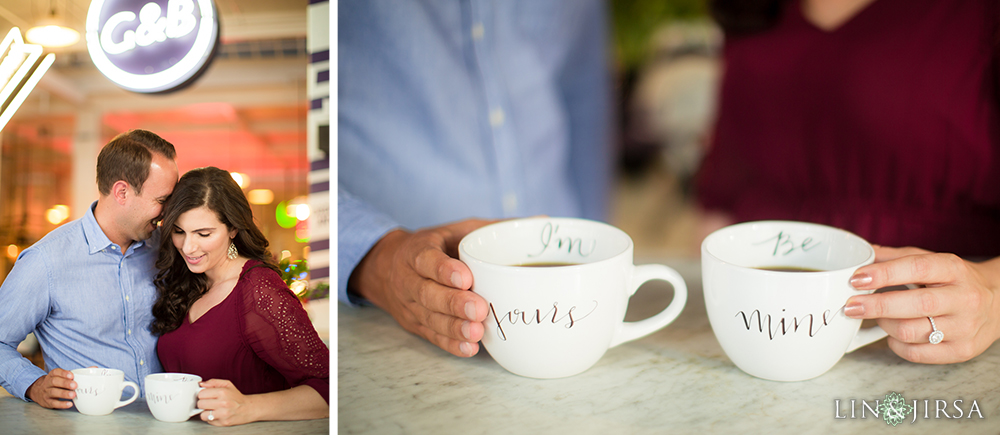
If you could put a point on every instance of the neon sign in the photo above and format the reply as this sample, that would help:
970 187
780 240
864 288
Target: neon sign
21 67
152 46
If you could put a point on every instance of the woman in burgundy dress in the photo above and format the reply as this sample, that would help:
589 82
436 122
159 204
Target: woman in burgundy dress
225 314
880 117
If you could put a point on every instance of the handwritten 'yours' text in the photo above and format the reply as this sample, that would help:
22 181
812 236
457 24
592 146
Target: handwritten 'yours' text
553 316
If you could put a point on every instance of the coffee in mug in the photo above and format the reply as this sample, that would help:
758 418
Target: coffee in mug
778 325
789 269
173 397
98 390
557 320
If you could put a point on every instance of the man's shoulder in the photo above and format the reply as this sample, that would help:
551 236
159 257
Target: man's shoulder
63 238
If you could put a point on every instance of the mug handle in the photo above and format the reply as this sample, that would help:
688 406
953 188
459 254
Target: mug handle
196 411
870 335
135 394
647 272
865 337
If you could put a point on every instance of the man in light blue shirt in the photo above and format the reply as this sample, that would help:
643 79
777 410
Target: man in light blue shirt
86 288
454 109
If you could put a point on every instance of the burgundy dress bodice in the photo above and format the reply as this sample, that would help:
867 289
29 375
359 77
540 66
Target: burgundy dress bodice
259 337
886 126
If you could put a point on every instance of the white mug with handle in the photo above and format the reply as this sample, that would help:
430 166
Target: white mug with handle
558 289
99 390
173 397
775 293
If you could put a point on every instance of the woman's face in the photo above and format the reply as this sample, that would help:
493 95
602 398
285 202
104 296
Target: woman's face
202 240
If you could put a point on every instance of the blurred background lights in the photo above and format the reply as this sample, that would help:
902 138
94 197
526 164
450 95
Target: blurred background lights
302 231
57 214
11 251
260 196
285 220
302 212
53 29
298 287
242 179
290 213
52 35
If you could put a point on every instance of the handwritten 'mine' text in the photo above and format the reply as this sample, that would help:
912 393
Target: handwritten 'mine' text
527 317
783 327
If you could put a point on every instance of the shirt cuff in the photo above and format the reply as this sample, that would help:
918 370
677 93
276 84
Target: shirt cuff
358 229
22 380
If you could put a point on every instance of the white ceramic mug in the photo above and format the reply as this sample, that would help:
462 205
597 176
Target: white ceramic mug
557 321
173 397
784 325
98 391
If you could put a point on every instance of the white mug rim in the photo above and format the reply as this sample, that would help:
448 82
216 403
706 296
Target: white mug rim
734 227
157 377
469 256
90 371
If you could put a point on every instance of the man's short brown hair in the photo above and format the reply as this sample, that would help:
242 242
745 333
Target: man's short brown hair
128 157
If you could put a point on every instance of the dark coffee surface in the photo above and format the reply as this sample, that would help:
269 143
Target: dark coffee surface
789 269
547 264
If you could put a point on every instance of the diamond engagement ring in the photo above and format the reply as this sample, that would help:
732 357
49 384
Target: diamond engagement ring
936 335
211 416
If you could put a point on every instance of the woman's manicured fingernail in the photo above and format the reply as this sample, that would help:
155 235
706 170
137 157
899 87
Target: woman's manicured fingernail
861 279
467 330
466 348
854 310
470 310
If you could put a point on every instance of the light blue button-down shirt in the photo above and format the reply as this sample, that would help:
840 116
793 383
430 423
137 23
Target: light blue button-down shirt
467 108
88 304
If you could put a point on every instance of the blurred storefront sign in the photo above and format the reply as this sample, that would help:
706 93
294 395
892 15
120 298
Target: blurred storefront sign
153 46
21 66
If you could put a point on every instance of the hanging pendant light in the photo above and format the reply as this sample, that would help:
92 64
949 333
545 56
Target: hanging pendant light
52 31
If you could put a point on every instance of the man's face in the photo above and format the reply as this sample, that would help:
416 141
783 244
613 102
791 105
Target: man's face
144 209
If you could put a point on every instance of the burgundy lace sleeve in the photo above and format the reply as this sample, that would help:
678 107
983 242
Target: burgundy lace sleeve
278 330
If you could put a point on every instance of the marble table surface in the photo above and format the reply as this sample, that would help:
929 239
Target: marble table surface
20 417
676 380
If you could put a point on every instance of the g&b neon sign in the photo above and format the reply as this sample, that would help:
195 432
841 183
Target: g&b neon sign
152 46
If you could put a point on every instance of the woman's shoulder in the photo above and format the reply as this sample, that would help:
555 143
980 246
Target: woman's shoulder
263 292
258 280
259 273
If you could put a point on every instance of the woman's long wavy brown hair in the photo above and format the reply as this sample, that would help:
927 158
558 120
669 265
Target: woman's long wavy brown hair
176 285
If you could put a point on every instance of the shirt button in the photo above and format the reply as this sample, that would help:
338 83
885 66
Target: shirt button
496 117
126 298
141 362
129 332
477 31
510 203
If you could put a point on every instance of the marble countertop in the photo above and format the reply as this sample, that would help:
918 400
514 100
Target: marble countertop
20 417
675 380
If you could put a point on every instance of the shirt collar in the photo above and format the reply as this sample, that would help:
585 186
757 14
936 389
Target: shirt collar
97 241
